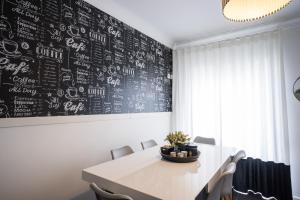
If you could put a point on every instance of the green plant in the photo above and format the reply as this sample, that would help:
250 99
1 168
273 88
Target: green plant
177 137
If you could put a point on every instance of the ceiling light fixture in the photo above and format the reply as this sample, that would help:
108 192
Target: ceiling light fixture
248 10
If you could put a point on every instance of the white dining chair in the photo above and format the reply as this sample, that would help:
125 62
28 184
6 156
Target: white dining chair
204 140
120 152
226 192
215 191
227 188
147 144
238 156
104 195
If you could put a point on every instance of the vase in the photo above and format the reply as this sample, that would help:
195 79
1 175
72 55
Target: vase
176 148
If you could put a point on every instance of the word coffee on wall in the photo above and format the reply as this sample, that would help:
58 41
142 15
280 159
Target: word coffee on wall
66 57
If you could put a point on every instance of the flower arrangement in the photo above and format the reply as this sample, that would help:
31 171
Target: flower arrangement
177 137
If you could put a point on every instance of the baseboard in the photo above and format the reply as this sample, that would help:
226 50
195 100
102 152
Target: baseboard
296 198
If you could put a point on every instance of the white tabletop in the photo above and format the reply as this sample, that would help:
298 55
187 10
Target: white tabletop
144 175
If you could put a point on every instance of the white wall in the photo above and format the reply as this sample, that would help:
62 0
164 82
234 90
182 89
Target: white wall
291 50
44 162
130 18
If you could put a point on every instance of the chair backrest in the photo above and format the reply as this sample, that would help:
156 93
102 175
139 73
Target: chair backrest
148 144
120 152
227 188
204 140
238 156
103 195
222 181
227 180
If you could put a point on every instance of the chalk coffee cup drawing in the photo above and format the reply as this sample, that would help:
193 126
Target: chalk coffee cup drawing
9 48
72 93
73 31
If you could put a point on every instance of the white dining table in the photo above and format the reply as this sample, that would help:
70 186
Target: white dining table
144 175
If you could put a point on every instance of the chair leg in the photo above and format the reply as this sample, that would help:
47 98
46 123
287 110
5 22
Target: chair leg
227 197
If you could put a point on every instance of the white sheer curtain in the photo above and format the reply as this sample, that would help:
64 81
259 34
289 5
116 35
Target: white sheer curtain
234 91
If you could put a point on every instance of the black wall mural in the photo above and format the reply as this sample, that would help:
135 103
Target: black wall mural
66 57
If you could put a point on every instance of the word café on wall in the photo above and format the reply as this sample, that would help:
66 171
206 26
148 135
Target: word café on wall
66 57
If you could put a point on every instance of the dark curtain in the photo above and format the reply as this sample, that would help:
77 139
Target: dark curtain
269 178
202 195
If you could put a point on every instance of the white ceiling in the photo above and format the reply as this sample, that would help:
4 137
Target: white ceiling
188 20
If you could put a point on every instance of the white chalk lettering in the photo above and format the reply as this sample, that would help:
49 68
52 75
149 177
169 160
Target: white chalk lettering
77 46
24 80
140 64
113 82
115 33
22 67
70 106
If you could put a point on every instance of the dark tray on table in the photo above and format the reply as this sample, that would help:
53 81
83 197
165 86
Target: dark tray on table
181 160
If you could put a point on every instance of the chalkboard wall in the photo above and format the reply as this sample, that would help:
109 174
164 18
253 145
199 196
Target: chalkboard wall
66 57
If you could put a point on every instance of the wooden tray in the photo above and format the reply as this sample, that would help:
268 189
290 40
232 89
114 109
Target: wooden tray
180 160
